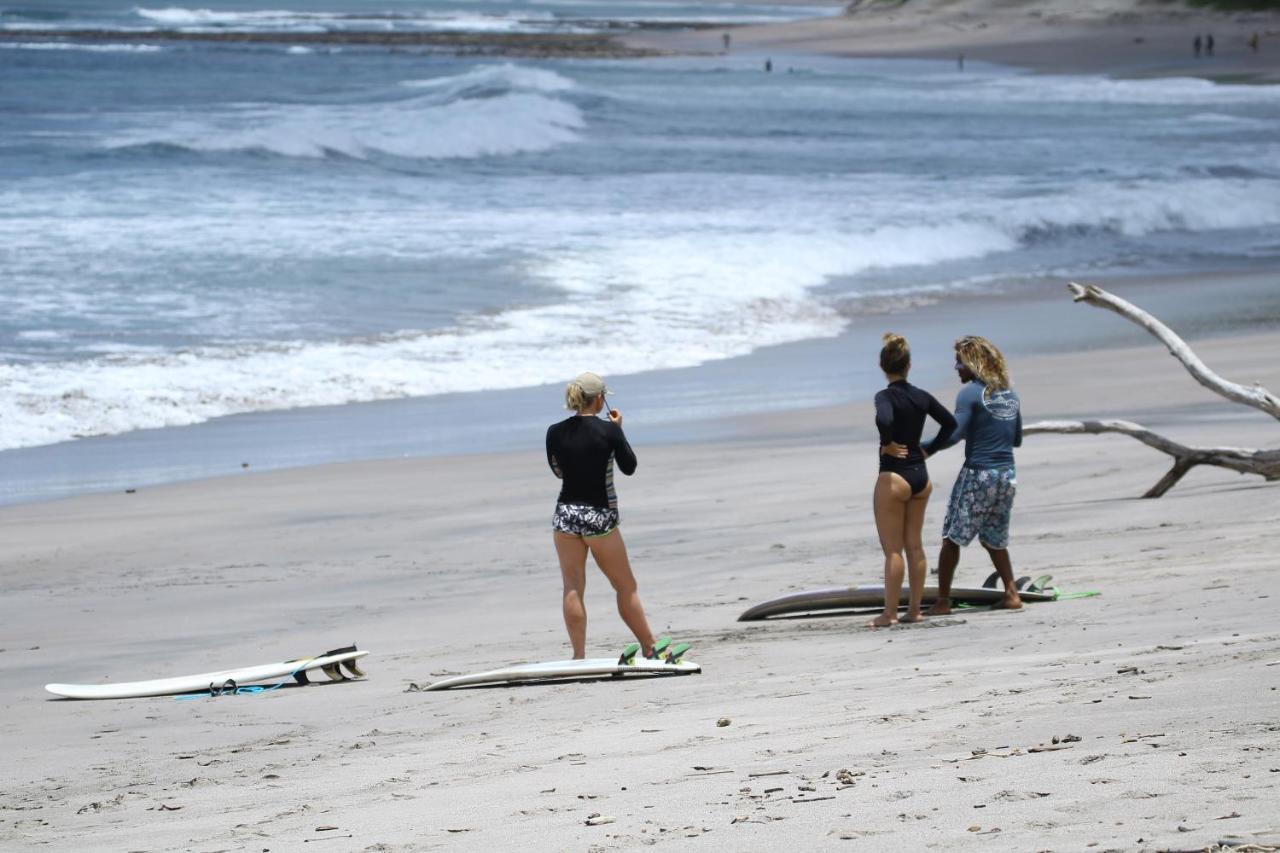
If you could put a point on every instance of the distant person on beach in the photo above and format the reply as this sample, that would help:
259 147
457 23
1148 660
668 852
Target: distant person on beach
582 451
902 486
1253 42
726 38
1195 45
1208 45
989 419
960 62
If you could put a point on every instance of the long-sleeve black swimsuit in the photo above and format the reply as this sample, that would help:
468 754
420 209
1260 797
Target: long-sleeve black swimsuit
581 451
901 410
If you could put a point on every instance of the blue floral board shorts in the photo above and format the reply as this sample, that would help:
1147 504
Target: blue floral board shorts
980 506
582 520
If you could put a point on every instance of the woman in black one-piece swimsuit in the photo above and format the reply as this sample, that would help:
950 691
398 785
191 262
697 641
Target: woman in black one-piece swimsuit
903 487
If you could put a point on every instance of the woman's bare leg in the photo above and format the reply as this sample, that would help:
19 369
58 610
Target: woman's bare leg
610 553
572 552
917 562
890 501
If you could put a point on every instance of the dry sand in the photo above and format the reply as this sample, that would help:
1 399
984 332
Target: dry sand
1119 37
445 565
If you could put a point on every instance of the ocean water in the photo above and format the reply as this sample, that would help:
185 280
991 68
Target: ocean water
191 230
492 16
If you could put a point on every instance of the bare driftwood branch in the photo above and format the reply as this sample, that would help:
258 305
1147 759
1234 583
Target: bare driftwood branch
1257 396
1265 463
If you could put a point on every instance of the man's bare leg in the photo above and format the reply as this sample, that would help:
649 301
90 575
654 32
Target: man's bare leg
948 560
1004 566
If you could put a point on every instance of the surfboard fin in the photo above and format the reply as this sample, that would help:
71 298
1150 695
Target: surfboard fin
629 652
334 672
353 668
676 652
1040 584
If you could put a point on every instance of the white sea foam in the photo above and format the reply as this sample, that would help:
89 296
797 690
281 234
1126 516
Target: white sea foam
85 48
416 128
523 78
294 21
648 293
1042 89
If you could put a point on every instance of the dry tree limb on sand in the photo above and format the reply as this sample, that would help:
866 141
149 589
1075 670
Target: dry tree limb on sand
1265 463
1257 396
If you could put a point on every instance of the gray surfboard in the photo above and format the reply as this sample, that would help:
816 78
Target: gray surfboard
871 595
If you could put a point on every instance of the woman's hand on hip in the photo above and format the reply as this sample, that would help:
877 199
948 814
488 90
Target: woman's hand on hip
897 451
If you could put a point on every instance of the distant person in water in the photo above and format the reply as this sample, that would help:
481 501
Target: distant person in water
1208 45
1195 45
960 62
582 451
768 65
989 419
726 38
902 486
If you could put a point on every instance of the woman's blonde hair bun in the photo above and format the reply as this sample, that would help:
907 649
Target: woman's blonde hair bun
895 355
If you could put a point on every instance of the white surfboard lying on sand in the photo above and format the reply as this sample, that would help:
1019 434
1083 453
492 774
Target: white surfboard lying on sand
329 662
872 595
569 669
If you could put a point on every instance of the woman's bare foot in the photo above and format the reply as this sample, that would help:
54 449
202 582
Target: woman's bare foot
912 617
882 621
941 607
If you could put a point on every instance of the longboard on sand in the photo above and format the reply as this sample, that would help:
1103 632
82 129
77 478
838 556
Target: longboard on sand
626 665
872 595
331 663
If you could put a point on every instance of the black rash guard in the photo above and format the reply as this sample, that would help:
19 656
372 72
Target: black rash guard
900 413
581 451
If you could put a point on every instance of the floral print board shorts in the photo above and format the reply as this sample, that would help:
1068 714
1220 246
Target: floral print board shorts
981 503
583 520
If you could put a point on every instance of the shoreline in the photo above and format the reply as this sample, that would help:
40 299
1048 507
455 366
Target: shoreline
719 401
1123 44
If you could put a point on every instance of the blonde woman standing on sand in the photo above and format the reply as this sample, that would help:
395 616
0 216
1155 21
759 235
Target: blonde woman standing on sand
902 486
582 451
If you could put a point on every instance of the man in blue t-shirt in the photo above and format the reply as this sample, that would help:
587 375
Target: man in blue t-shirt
989 419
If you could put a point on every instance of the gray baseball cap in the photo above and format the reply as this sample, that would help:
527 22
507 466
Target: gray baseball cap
591 384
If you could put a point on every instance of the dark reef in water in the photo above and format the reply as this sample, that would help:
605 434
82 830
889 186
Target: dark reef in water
533 45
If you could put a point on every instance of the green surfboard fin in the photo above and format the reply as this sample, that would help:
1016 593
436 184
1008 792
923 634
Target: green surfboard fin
676 652
629 652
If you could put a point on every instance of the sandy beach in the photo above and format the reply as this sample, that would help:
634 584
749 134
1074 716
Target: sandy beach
1143 718
1160 693
1118 37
